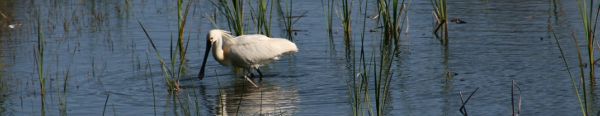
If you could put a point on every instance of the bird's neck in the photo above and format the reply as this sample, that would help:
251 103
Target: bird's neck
218 50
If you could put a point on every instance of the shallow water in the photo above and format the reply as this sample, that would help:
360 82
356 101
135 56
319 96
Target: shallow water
98 60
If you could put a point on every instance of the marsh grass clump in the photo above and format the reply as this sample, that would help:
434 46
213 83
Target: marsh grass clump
374 70
376 73
178 51
233 10
392 13
590 19
263 19
589 16
583 85
172 83
261 16
288 18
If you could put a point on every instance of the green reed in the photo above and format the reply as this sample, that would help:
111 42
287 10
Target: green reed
181 21
149 68
172 84
464 101
516 107
347 18
582 104
63 96
234 13
441 16
288 18
376 71
178 51
589 24
328 10
263 23
105 104
589 29
390 13
39 60
359 84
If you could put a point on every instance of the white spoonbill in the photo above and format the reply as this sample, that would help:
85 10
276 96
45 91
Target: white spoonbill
245 51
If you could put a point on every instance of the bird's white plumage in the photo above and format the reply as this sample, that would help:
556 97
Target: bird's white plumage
249 51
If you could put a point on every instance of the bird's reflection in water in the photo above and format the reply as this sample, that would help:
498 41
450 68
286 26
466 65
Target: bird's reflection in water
242 98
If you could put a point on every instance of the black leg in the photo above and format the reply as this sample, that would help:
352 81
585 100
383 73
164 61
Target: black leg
259 73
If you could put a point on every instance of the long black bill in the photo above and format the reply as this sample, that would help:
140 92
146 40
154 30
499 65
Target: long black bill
208 46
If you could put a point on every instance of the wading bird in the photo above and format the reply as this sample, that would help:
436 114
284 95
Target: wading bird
248 52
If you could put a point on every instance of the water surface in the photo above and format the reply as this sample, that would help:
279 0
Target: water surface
98 60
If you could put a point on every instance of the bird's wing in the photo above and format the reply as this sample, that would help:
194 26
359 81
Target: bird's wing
255 50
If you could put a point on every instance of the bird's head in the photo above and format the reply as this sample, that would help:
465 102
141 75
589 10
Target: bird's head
212 37
216 34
